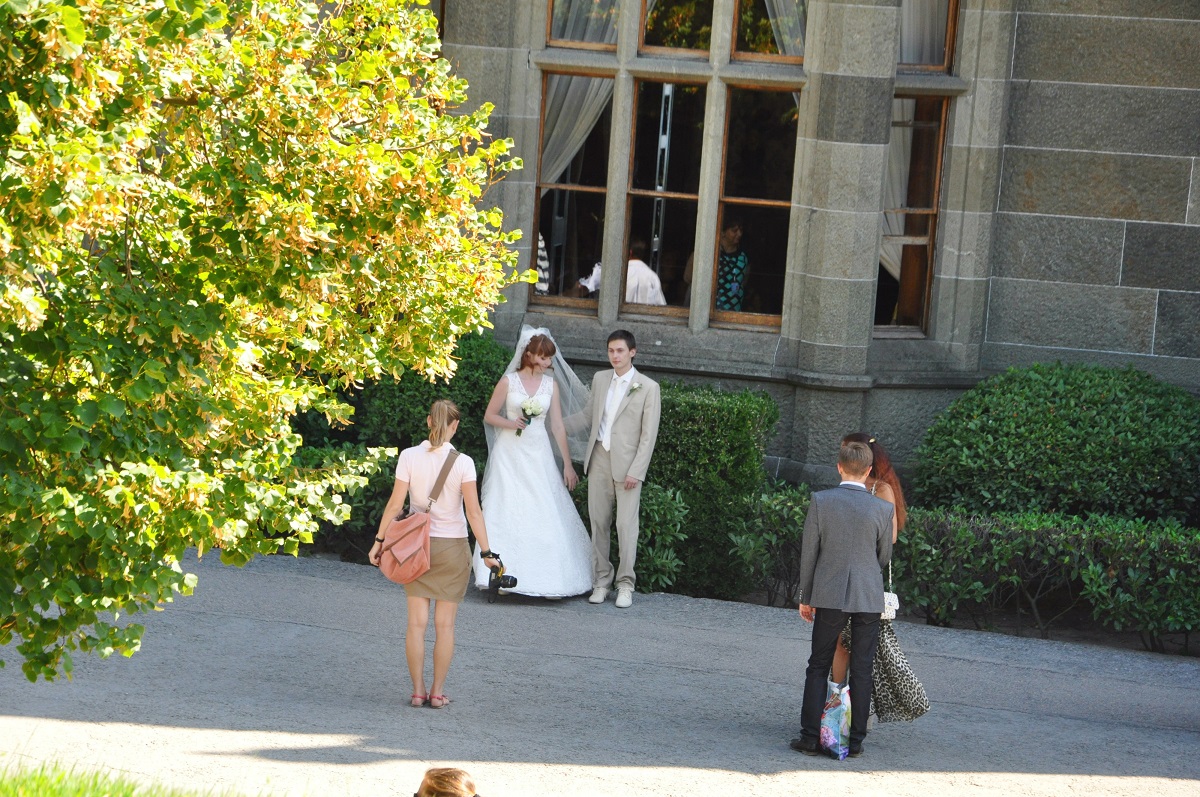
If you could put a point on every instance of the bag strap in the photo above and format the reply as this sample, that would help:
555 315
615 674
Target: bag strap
441 479
890 576
438 484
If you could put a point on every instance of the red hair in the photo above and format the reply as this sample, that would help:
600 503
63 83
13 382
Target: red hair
538 346
881 471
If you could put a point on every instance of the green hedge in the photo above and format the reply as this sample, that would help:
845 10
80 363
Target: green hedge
768 540
391 413
1065 438
661 535
1130 573
710 448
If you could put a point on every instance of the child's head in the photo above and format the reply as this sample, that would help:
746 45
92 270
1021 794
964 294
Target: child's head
446 782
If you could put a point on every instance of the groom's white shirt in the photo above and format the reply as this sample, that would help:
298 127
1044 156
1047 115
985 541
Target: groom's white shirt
617 388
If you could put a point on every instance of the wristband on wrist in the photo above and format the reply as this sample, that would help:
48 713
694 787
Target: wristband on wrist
379 539
488 555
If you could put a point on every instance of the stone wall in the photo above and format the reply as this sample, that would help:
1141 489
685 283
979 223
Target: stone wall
1069 221
1096 245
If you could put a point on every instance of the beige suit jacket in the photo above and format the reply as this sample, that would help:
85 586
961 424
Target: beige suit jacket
634 429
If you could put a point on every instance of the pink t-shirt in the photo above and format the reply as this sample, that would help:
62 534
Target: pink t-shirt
419 466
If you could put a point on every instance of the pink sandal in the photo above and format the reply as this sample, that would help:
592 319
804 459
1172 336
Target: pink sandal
441 701
419 700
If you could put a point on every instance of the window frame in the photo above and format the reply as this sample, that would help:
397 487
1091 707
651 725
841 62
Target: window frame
659 51
741 56
589 305
632 308
933 213
572 43
947 64
741 318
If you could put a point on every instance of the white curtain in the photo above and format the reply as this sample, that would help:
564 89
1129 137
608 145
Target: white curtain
922 41
787 24
574 102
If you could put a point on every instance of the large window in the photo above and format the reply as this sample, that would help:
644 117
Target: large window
664 181
910 215
756 190
576 123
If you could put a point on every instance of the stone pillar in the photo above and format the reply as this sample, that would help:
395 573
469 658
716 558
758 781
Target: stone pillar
851 47
973 153
489 45
845 123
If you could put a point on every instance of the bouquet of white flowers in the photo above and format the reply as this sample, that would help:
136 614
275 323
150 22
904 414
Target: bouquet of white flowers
530 409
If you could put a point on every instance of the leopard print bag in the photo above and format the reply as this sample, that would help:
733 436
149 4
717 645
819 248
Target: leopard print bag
896 693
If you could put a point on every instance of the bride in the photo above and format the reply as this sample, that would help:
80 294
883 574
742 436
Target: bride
528 512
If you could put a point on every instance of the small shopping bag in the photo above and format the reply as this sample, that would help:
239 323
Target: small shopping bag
835 721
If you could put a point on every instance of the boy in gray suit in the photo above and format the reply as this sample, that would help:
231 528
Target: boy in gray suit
847 543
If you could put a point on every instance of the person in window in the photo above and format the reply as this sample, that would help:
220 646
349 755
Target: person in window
642 285
733 266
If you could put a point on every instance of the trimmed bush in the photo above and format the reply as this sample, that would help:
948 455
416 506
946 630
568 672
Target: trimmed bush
941 563
1137 578
660 534
1132 573
710 448
391 413
769 537
1065 438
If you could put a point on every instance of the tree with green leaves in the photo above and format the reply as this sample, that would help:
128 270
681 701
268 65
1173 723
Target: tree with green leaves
212 216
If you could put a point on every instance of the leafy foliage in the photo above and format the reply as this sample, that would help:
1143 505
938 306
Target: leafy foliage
1065 438
1137 577
769 540
55 781
710 448
211 216
1131 572
660 534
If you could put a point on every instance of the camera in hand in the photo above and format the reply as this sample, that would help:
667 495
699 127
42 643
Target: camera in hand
498 580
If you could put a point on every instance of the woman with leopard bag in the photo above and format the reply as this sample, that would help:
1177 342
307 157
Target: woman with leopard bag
896 693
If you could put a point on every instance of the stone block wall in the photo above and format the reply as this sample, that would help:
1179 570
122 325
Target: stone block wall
1069 224
1096 242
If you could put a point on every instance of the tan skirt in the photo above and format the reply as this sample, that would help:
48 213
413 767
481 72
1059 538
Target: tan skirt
449 570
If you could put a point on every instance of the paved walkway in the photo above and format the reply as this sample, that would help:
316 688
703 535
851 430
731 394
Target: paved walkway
287 677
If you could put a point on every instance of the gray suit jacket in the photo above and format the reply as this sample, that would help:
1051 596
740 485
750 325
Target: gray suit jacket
847 543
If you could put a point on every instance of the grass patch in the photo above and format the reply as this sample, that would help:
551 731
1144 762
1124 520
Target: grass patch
53 781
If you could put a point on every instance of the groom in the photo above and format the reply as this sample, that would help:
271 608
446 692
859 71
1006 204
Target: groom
624 410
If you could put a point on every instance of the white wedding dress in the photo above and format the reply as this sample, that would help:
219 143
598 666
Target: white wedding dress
531 520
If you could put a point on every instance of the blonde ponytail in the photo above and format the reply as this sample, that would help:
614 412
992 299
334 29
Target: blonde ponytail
443 413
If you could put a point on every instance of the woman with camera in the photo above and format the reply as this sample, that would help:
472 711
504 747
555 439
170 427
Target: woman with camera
449 554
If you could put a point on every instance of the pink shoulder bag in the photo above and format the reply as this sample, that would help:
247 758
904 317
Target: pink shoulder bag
405 554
